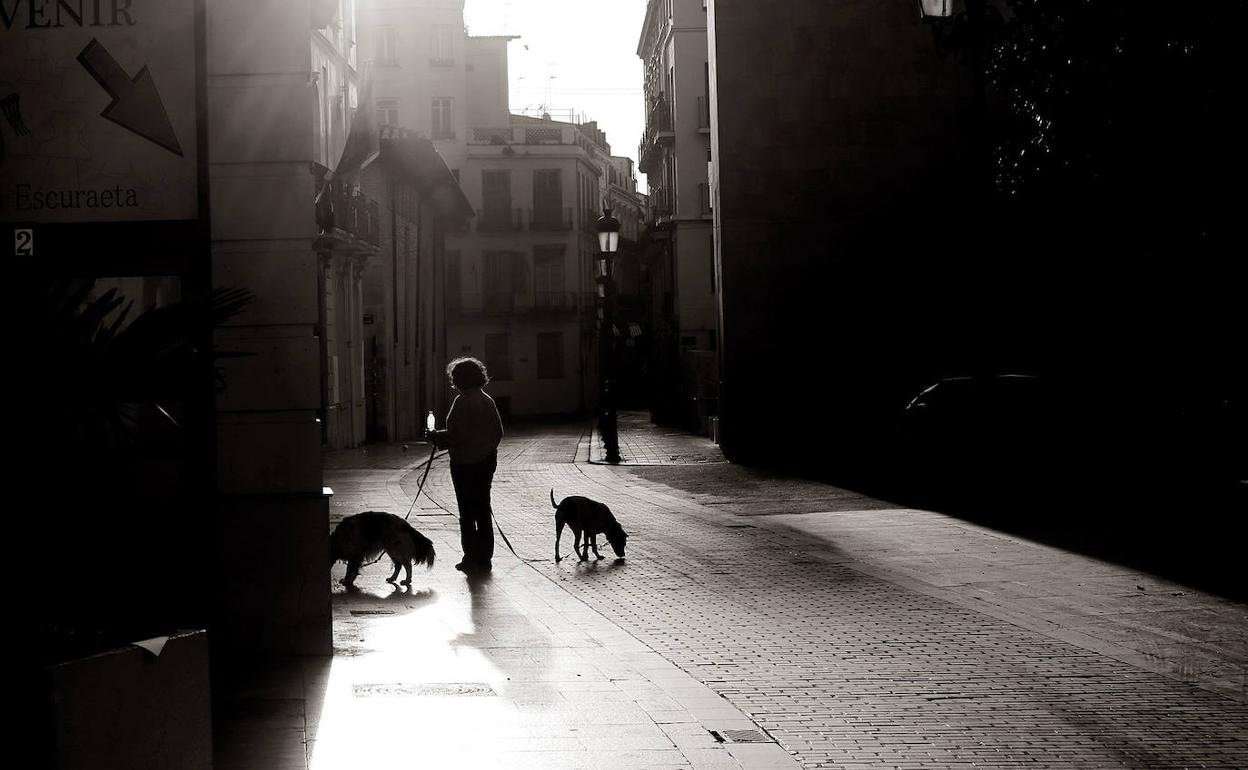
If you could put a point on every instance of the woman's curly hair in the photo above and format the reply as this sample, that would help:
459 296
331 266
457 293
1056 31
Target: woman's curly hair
467 372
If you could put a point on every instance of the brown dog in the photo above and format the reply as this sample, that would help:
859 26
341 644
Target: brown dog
587 518
366 536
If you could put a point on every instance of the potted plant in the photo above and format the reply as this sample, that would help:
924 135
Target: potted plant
112 421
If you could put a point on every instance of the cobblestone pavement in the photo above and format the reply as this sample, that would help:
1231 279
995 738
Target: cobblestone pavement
853 633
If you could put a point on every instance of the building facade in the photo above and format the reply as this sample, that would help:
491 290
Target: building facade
348 226
631 274
309 207
404 315
675 154
263 128
518 282
842 213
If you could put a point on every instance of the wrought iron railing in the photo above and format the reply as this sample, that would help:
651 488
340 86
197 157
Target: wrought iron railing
659 119
500 221
520 134
340 207
550 220
505 303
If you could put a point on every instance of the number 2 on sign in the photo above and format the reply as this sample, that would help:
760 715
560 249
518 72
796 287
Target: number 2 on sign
24 243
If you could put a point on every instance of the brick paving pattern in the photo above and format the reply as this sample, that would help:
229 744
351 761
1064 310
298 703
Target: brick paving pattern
842 668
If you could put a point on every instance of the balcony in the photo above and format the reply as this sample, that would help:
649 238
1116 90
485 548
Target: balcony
649 154
501 221
660 206
659 119
523 134
550 220
347 219
542 304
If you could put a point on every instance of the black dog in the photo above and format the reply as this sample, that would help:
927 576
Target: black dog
587 517
366 536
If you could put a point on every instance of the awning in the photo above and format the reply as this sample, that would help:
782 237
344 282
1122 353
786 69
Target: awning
419 161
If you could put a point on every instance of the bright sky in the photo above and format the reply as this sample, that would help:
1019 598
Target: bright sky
576 57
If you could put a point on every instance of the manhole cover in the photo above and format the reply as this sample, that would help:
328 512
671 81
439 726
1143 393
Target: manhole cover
421 690
740 736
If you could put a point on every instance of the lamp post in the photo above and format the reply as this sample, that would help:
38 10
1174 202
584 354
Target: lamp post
608 245
974 13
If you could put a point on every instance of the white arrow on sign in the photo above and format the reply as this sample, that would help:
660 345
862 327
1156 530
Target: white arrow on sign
136 104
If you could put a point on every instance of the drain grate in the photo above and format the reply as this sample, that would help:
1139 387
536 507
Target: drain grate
739 526
447 689
741 736
371 612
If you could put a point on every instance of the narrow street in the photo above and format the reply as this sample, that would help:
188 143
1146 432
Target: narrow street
831 630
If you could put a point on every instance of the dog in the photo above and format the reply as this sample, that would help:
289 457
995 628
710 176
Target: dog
587 518
366 536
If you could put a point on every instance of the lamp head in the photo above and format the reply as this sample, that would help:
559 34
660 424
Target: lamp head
608 232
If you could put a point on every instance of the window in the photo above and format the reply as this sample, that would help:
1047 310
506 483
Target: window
504 275
441 54
496 200
498 356
452 280
711 245
548 276
411 293
387 46
550 356
443 119
387 112
548 199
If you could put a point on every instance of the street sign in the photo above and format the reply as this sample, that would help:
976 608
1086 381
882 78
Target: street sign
99 118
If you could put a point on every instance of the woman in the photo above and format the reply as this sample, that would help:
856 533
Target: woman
473 432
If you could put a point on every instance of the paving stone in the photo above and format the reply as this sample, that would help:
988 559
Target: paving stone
854 633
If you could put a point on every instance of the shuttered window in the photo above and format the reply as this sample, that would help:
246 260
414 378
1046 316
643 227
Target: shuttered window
498 356
550 356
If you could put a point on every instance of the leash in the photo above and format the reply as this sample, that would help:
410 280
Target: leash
420 488
433 449
505 540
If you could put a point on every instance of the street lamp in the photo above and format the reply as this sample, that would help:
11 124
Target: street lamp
938 8
608 245
974 13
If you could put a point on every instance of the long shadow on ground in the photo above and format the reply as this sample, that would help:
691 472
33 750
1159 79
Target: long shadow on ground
1176 527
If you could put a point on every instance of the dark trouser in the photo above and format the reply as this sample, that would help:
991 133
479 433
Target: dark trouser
472 493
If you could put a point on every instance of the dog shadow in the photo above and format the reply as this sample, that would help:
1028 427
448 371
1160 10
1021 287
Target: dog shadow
599 565
400 599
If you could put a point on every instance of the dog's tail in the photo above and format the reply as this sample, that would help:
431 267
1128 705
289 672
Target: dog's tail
425 545
552 498
421 545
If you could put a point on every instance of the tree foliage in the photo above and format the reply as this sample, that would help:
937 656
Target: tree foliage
97 359
1122 111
